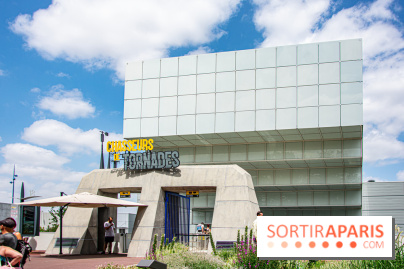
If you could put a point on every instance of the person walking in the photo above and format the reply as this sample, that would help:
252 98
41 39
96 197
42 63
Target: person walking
200 230
109 227
255 223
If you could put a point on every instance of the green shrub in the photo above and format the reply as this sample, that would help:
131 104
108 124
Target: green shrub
212 244
315 264
226 254
162 242
246 256
179 256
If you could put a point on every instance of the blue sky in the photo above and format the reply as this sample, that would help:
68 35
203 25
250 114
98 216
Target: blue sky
62 68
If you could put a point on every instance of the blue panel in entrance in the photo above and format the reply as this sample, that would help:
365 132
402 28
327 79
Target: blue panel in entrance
177 217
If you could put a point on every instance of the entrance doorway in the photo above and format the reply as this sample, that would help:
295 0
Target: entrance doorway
177 217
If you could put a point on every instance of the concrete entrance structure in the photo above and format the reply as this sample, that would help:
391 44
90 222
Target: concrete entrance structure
234 208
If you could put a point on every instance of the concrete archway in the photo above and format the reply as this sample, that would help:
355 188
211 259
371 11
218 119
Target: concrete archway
235 206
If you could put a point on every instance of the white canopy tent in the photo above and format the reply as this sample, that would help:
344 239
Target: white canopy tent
83 200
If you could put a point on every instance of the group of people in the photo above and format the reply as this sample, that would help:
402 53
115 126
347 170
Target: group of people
201 229
9 255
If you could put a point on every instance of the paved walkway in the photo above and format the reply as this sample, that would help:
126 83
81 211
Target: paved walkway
78 261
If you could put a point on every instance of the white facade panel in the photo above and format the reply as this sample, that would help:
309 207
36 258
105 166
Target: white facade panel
351 50
307 54
328 52
226 61
134 71
133 89
187 65
225 81
265 57
245 59
286 56
323 78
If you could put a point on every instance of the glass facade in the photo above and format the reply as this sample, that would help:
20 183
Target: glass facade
291 116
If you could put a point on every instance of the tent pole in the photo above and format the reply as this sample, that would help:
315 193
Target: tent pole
60 227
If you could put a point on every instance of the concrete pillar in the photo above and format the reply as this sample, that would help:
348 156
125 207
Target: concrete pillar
149 221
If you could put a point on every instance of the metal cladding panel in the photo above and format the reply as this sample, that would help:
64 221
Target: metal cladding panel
383 188
383 202
397 214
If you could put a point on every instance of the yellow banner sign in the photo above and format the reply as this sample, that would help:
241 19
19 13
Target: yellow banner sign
124 194
130 145
193 193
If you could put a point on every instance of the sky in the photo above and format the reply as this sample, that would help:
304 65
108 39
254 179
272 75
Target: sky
62 66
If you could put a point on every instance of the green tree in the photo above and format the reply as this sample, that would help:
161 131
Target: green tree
55 216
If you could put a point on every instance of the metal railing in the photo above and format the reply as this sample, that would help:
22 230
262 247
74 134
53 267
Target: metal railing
198 242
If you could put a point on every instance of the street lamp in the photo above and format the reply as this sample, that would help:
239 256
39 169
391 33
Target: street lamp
12 182
102 147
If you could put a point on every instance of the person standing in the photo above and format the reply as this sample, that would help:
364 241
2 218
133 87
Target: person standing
207 229
200 228
255 223
109 227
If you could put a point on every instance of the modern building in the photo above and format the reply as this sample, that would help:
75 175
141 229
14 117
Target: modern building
278 129
291 116
384 199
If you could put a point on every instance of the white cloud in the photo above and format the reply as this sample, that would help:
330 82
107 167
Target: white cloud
400 175
67 139
29 155
288 22
382 147
42 169
69 104
1 139
35 90
52 189
2 73
37 163
62 75
383 45
200 50
42 173
111 33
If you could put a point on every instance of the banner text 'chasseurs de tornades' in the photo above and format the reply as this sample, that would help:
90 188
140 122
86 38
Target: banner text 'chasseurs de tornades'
137 154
